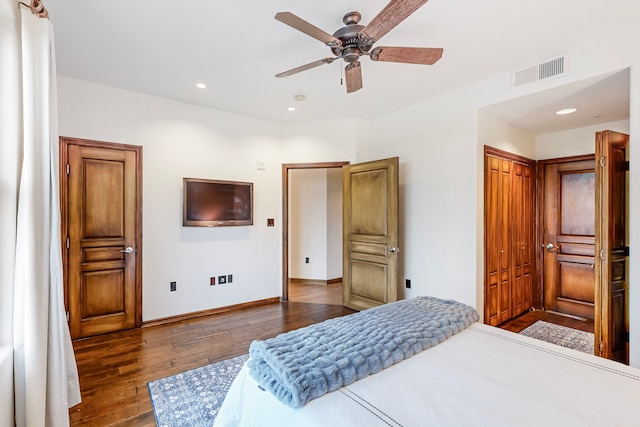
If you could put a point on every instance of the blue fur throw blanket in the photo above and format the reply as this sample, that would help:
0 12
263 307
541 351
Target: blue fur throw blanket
306 363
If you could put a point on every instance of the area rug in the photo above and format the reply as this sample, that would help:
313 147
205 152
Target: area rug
561 335
193 398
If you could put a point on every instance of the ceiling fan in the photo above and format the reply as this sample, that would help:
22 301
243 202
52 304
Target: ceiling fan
353 40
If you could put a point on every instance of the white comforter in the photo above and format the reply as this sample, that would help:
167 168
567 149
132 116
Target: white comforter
484 376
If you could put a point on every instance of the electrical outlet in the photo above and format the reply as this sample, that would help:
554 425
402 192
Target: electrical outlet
306 260
407 283
212 281
229 278
173 286
222 279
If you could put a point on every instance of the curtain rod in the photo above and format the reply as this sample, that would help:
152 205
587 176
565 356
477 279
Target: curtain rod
37 8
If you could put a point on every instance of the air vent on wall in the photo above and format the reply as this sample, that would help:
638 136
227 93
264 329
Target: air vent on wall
552 68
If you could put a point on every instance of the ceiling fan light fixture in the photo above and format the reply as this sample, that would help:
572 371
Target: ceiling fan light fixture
299 97
566 111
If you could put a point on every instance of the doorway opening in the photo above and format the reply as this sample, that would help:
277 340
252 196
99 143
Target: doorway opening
287 169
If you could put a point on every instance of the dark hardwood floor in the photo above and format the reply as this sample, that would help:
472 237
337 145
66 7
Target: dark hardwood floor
326 294
115 368
527 319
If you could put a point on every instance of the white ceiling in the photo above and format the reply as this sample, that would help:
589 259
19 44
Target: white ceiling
164 48
599 99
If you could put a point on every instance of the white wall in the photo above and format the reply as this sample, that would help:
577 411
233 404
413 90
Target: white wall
315 223
436 145
574 142
440 145
497 133
334 223
181 140
308 223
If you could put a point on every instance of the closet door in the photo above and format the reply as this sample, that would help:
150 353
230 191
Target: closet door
509 235
497 241
522 226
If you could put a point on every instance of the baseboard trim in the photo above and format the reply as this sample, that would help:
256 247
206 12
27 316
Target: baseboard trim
584 319
315 281
196 314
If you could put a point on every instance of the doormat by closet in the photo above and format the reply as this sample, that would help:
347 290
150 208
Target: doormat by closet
561 335
193 398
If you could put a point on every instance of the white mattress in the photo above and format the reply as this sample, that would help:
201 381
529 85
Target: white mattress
483 376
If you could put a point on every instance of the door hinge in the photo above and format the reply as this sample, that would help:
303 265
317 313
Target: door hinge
67 243
602 161
68 168
68 316
603 346
602 256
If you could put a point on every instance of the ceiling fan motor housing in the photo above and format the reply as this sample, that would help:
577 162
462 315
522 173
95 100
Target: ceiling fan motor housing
352 45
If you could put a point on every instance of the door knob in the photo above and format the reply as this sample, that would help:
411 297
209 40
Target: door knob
394 249
127 250
549 246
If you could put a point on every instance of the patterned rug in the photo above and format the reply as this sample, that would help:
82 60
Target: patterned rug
193 398
561 335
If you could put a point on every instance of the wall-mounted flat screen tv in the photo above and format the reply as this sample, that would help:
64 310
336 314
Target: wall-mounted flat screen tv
213 203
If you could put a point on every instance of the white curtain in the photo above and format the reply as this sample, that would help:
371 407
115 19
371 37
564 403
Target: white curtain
44 380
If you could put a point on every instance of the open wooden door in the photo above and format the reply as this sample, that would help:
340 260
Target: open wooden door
611 331
370 233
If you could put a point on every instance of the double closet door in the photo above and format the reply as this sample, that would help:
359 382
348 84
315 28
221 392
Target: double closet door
509 235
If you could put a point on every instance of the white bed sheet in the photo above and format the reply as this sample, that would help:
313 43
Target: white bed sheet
483 376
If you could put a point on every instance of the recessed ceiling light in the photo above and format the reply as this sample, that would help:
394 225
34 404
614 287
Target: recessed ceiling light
566 111
291 109
201 86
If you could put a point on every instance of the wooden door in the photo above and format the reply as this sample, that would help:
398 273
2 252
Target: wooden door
522 237
370 233
611 332
102 211
509 203
497 240
569 236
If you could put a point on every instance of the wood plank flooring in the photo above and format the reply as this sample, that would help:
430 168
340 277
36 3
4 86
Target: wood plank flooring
529 318
115 368
327 294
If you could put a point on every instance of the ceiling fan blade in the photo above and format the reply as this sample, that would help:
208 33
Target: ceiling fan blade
306 67
392 14
353 74
311 30
408 55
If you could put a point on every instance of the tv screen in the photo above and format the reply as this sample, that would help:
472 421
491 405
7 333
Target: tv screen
212 203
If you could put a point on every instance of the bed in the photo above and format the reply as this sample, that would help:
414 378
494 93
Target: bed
480 376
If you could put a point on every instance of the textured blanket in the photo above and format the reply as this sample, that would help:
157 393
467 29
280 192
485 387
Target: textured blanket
306 363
